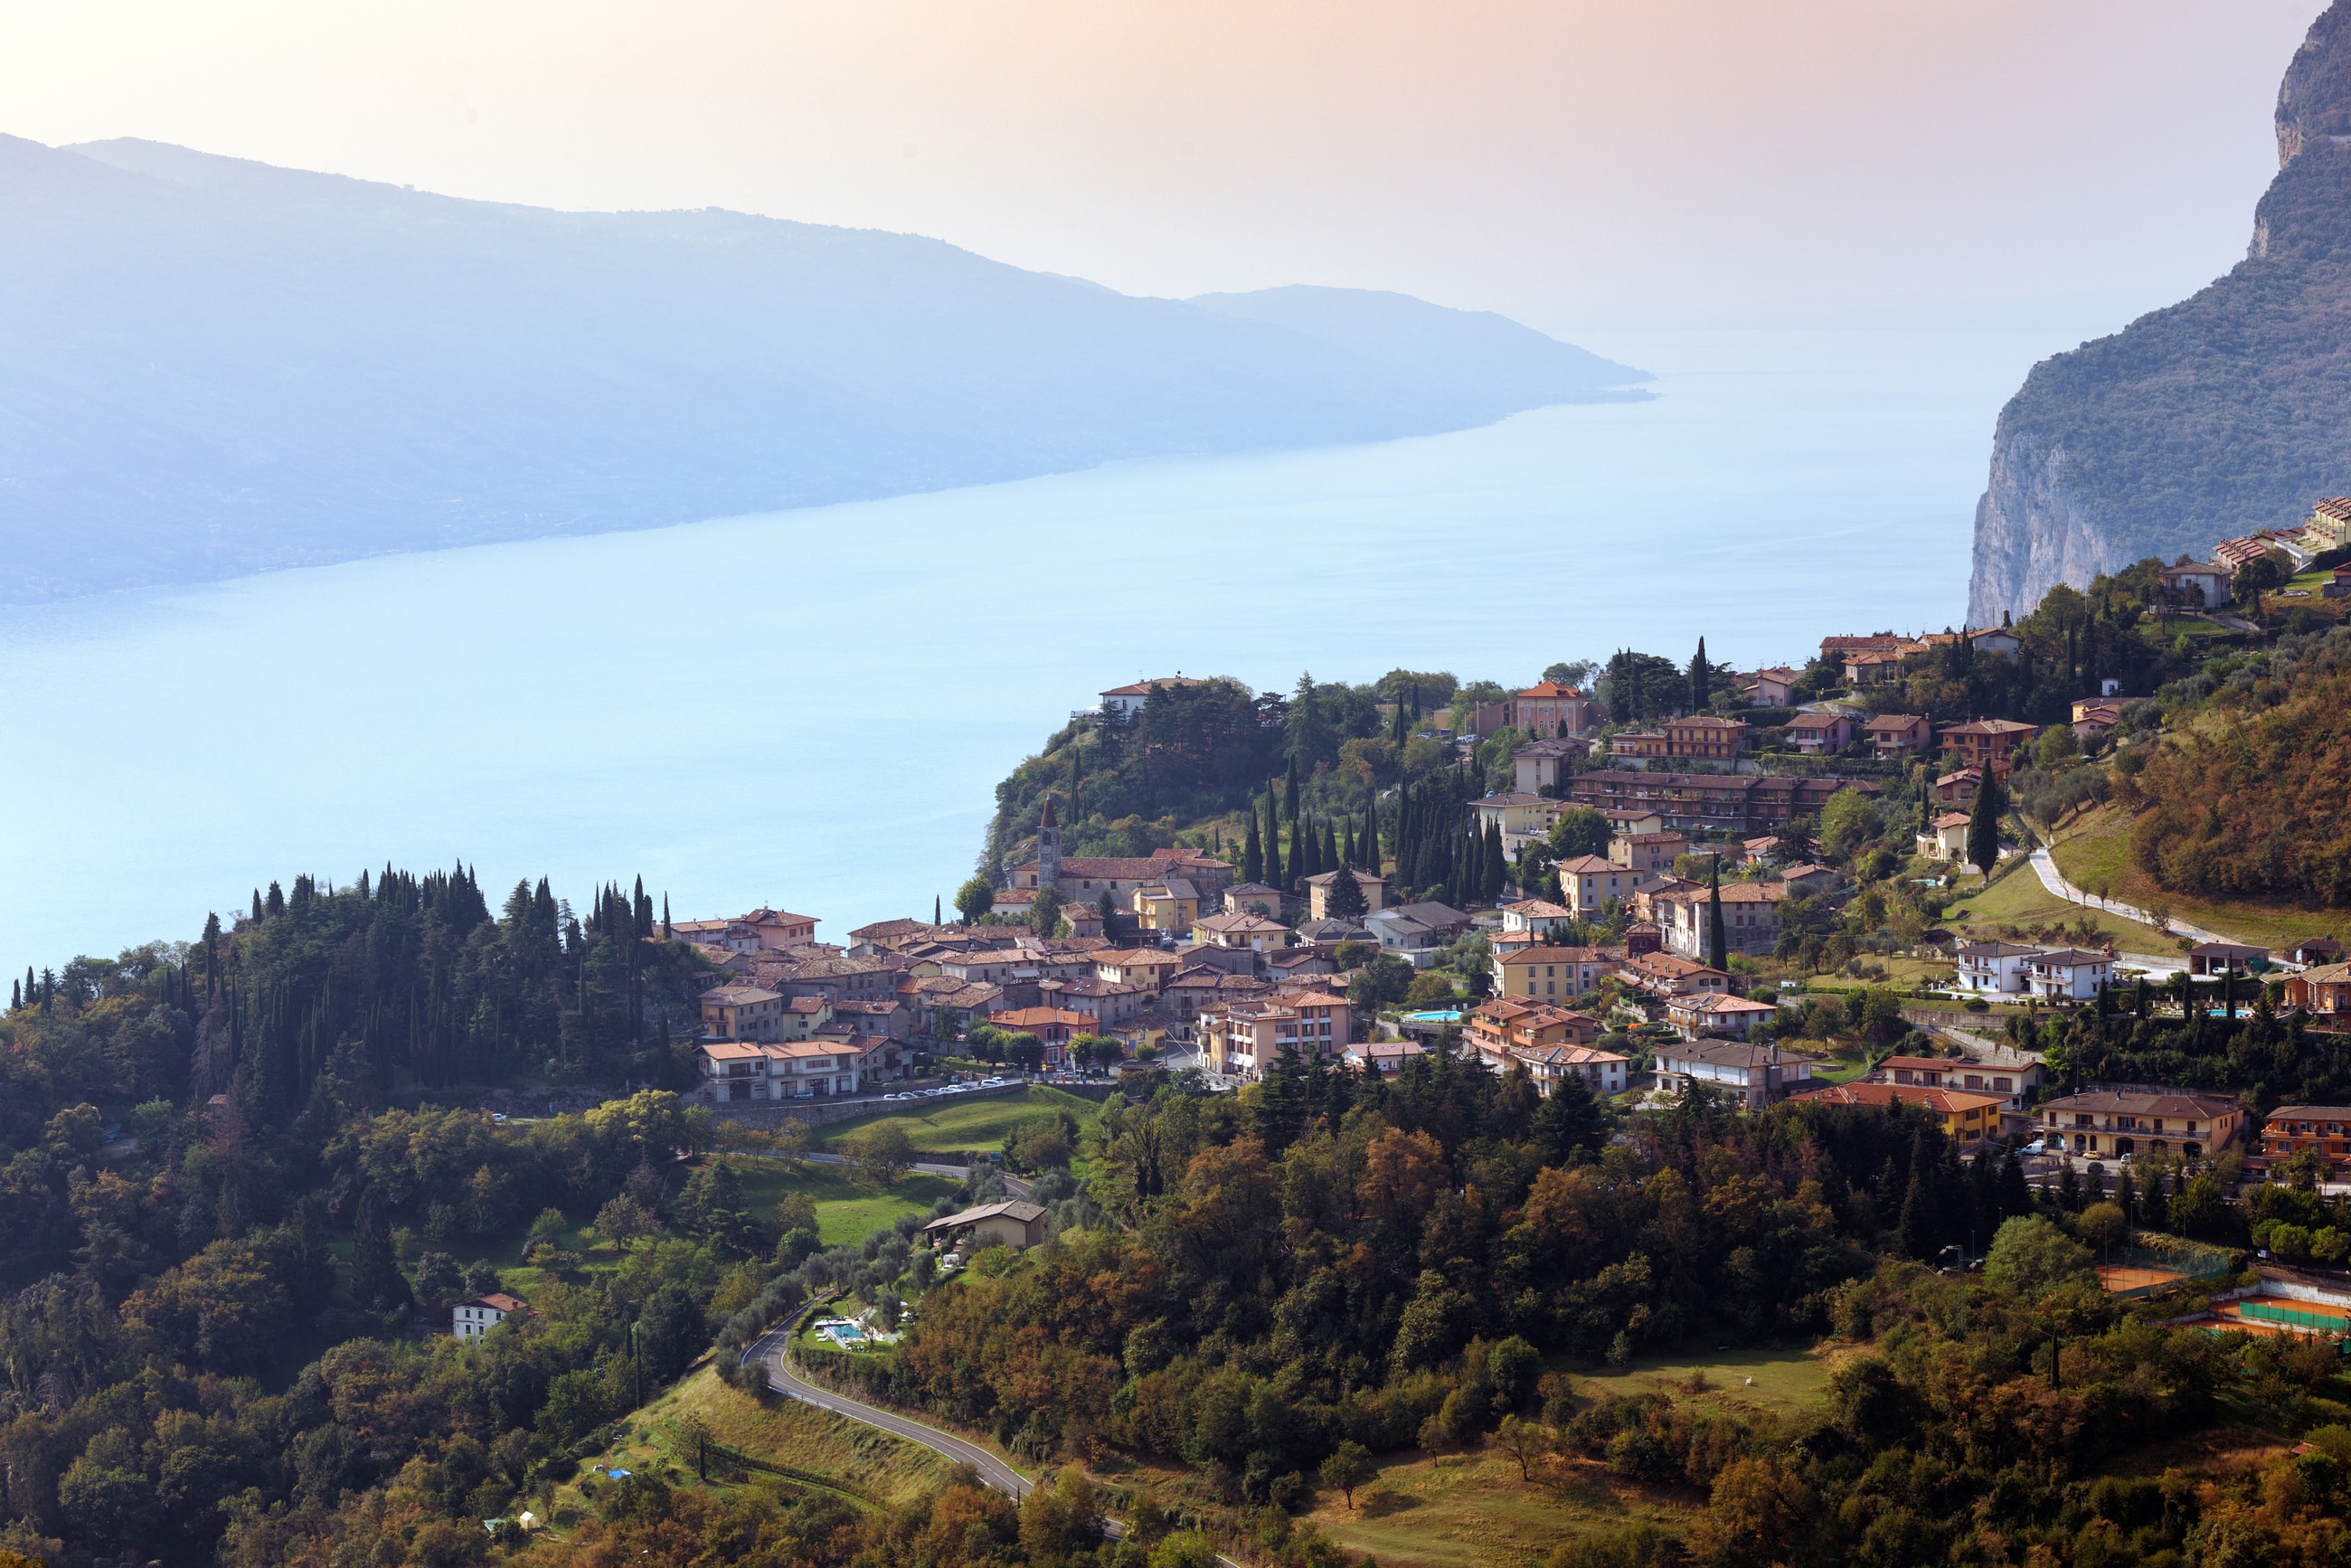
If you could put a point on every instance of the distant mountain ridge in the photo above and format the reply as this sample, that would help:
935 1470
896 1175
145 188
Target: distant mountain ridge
2227 413
212 367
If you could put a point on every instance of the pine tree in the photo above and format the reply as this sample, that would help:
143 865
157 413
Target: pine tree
1915 1227
1701 680
1570 1124
1346 901
376 1279
1718 949
1252 852
1983 825
2015 1195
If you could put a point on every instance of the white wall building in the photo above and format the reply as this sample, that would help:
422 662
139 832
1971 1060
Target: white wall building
472 1320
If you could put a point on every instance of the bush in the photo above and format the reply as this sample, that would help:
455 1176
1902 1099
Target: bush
2030 1256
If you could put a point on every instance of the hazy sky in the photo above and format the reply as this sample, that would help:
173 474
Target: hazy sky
1583 164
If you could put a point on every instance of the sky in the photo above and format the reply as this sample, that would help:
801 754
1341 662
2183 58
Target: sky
1583 165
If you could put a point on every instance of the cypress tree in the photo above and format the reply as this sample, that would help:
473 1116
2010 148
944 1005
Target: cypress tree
1983 825
1331 860
666 932
15 996
1289 805
2015 1196
1252 852
1915 1227
1718 949
1701 680
376 1279
1275 875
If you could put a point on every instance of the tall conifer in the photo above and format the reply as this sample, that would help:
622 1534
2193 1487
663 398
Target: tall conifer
1717 950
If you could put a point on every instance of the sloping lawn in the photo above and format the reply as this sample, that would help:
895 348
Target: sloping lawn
2100 848
847 1209
967 1120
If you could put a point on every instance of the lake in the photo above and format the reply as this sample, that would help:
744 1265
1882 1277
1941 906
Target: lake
811 709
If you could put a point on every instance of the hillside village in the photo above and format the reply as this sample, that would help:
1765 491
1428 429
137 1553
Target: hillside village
1668 880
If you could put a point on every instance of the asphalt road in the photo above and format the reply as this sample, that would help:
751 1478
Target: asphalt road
768 1349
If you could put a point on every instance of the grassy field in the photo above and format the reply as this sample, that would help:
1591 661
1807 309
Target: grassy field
2018 899
1783 1381
2098 849
966 1122
659 1441
847 1209
1474 1510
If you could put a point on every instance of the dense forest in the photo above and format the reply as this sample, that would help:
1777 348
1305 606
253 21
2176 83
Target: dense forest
1267 1287
2248 799
203 1176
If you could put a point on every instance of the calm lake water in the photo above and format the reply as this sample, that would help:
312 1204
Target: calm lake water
811 709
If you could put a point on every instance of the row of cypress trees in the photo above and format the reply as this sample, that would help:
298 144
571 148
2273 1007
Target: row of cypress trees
402 976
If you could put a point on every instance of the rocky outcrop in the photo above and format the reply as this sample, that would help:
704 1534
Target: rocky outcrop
2228 412
2032 531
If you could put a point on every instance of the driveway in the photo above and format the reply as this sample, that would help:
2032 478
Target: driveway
2044 865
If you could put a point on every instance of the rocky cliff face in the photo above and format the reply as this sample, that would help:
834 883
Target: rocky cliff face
2228 412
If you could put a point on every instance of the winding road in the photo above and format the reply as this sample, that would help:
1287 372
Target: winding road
2044 865
768 1350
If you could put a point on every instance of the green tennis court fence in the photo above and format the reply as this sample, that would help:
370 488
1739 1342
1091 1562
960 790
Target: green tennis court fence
2268 1312
2194 1262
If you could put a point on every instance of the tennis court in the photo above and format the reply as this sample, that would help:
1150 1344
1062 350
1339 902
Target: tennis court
2124 1279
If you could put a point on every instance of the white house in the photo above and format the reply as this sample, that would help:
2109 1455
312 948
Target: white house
1602 1072
1409 939
1125 702
2070 975
1756 1075
1535 915
472 1320
2205 583
736 1071
1948 840
2003 967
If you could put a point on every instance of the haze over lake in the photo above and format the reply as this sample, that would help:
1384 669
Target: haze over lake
811 709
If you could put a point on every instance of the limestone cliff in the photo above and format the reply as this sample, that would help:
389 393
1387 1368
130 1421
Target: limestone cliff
2228 412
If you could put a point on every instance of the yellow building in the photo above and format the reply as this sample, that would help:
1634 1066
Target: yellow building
1965 1118
1547 974
1173 905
